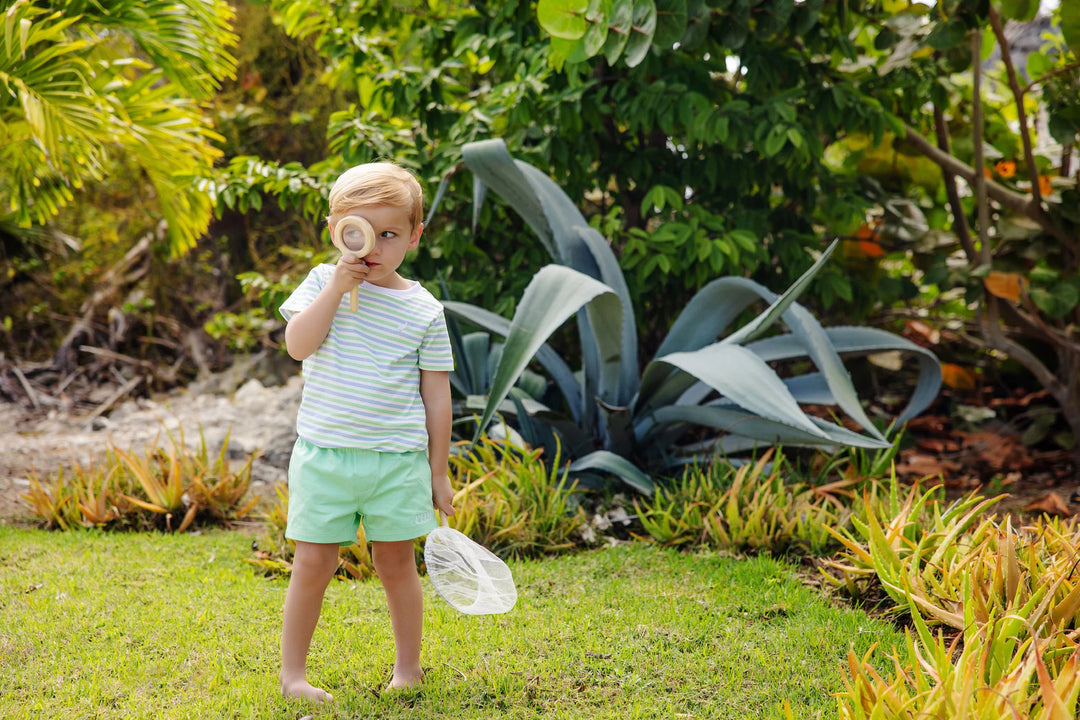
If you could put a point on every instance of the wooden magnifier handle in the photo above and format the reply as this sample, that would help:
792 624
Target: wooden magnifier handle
354 234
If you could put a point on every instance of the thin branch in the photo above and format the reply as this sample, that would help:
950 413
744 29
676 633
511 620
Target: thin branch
1053 73
989 312
981 203
999 193
960 224
1014 201
1018 96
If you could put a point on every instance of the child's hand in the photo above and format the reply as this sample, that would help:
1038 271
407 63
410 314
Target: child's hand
349 273
442 495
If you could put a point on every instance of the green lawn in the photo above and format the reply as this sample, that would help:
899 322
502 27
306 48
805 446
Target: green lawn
154 626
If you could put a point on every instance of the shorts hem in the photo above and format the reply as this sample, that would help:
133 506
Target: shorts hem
308 539
403 535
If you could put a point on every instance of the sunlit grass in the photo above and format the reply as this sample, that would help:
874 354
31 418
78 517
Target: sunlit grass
161 626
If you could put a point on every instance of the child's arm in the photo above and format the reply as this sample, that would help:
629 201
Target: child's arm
308 328
435 392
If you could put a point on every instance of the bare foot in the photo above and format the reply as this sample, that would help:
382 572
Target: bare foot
303 690
404 680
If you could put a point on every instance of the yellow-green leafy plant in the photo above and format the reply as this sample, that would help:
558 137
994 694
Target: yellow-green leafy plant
165 488
164 491
1007 568
214 487
57 502
678 512
746 508
889 550
995 669
509 501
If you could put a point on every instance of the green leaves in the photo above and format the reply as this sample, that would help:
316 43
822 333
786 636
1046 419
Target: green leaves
648 415
1070 25
625 29
563 18
74 99
642 29
1020 10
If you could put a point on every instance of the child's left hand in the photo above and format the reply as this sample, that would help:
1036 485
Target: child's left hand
442 495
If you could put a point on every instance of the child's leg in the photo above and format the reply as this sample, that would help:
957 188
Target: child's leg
313 567
396 565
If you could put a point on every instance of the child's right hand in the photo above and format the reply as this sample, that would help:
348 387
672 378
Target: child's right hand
349 273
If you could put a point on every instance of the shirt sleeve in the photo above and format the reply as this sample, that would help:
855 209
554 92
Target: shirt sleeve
435 352
304 294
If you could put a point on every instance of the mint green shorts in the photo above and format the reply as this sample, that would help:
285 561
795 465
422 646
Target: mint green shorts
333 490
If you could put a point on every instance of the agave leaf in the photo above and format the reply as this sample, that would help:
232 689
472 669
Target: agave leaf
439 194
558 369
709 312
862 340
492 166
749 425
742 376
754 329
554 294
476 347
622 392
559 225
808 389
618 466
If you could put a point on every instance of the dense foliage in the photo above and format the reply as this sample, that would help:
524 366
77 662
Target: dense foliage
707 391
703 138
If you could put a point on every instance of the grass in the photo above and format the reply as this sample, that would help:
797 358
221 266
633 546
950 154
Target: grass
96 625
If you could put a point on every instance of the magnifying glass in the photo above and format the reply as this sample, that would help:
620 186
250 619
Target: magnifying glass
353 234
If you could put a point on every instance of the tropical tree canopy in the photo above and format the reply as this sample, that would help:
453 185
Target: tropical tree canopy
85 81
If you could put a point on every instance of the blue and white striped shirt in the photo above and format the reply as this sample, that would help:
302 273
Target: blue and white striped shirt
362 384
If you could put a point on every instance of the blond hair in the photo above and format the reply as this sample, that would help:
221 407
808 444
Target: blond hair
377 183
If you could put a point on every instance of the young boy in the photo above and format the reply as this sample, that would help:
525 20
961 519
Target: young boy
374 420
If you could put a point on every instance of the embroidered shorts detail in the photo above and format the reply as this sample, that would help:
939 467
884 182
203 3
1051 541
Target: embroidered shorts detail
333 490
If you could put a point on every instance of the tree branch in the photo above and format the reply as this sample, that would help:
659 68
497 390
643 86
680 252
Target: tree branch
999 193
1018 97
982 205
1014 201
1053 73
960 224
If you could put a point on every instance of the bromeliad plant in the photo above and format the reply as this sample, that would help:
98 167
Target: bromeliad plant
610 418
513 502
957 566
1000 672
167 488
748 508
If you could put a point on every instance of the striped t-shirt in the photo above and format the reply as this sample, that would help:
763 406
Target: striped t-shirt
362 384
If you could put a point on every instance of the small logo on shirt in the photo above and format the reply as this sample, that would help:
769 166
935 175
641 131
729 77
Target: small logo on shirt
423 517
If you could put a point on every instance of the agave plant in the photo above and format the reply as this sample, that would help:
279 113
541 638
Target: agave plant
610 416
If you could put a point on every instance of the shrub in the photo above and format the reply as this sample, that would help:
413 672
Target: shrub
702 394
749 508
168 488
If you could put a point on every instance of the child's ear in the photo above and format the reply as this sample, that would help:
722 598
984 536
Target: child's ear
415 239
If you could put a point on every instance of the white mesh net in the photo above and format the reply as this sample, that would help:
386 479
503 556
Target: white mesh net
468 576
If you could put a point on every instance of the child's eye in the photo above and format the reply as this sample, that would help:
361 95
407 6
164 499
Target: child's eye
388 234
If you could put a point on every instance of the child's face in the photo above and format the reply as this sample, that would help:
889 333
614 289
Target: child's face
394 236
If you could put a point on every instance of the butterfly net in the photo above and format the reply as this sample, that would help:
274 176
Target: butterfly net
468 576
